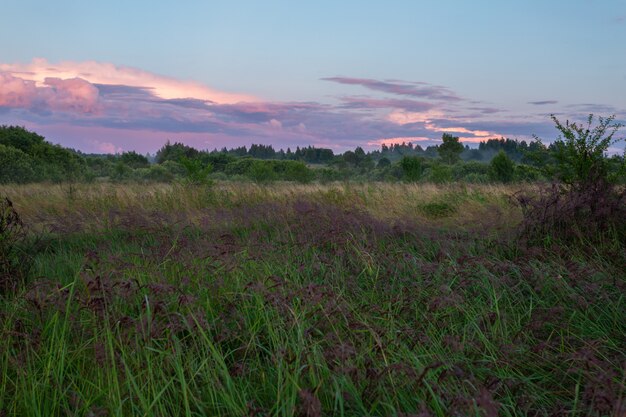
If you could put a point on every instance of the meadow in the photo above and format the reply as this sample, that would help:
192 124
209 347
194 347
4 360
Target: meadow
284 299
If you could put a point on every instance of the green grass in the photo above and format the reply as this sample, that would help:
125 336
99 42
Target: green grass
288 300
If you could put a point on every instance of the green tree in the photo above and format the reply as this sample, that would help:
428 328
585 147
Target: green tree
15 166
262 171
383 162
501 167
580 150
134 160
412 167
195 171
450 150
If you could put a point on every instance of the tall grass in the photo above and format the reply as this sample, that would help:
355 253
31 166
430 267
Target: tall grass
308 300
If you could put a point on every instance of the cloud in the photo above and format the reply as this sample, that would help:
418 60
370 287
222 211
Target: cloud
105 73
403 88
85 106
543 102
73 94
104 147
374 103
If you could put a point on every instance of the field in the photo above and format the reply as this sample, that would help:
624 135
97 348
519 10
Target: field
308 300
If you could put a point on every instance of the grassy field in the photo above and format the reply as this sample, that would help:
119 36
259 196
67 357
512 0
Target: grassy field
306 300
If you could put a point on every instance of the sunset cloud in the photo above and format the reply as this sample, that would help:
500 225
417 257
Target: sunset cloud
99 107
105 73
403 88
73 94
543 102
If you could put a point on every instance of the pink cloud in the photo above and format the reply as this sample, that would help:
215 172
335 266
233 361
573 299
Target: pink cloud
105 73
55 94
73 94
16 92
105 147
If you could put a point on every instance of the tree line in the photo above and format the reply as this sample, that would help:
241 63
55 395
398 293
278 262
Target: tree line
26 156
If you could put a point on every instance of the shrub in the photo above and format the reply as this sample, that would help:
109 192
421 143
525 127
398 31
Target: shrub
383 162
195 172
450 150
156 173
15 166
586 206
174 168
581 150
502 168
439 173
464 171
297 171
261 171
412 167
13 265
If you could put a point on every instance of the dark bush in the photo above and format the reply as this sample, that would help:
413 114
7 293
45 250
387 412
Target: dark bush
586 206
13 265
574 214
502 168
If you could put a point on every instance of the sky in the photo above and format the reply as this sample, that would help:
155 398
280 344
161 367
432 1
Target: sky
115 76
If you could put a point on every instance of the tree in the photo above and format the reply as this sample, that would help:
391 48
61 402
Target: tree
581 150
412 167
15 166
195 172
450 150
134 160
501 167
384 162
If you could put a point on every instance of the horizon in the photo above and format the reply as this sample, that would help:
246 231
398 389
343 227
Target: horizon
115 77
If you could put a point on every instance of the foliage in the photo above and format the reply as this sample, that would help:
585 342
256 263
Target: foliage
439 173
307 301
581 150
175 152
502 168
587 207
15 166
134 160
450 150
413 168
195 171
13 263
260 171
383 162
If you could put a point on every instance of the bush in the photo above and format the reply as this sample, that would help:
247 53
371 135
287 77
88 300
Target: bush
297 171
383 162
413 168
439 173
174 168
502 168
261 171
586 207
13 264
195 172
471 169
581 151
527 173
156 173
15 166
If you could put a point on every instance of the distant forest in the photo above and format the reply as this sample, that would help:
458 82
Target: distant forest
26 156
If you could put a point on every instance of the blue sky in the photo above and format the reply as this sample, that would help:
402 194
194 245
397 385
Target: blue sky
328 73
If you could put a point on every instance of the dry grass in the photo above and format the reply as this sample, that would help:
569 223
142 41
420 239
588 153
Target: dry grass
467 207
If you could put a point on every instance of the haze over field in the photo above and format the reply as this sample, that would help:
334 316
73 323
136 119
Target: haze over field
115 77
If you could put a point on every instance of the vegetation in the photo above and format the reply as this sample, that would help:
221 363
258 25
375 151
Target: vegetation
412 295
26 157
